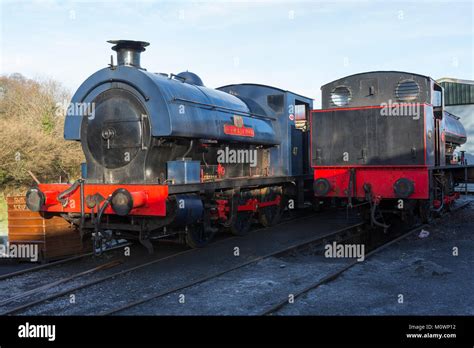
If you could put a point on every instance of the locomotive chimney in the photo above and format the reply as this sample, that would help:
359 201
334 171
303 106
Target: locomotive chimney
128 51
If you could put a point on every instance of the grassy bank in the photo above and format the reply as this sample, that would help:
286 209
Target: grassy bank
11 191
3 215
31 137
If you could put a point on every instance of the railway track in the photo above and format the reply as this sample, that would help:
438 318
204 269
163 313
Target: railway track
60 262
329 278
80 286
24 306
273 309
60 281
341 236
27 282
303 244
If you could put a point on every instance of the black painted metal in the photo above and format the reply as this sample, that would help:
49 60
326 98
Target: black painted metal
377 87
365 137
236 182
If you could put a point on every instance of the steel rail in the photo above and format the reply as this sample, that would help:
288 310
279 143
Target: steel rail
131 269
60 281
59 262
296 246
336 274
306 242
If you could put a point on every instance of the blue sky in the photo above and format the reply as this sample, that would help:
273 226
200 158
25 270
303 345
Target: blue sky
293 45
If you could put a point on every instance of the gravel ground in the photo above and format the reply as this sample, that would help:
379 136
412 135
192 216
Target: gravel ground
424 271
177 271
20 284
246 291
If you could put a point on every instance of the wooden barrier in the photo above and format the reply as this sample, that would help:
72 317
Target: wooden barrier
56 238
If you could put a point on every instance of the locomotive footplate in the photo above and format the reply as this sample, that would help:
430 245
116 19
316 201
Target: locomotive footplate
237 182
461 173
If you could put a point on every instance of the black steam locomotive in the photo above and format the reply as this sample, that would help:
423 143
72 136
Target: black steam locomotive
167 157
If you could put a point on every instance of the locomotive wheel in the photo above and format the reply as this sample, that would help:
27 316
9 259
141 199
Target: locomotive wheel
243 219
270 216
425 212
317 204
197 236
242 223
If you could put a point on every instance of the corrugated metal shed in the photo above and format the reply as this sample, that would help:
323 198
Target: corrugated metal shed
457 92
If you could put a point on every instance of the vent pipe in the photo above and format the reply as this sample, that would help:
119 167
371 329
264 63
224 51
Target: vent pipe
128 51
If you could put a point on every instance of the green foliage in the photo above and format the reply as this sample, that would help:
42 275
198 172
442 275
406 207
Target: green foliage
31 134
3 177
3 215
47 123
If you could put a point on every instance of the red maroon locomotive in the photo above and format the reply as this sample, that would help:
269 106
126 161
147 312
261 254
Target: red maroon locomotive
384 141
